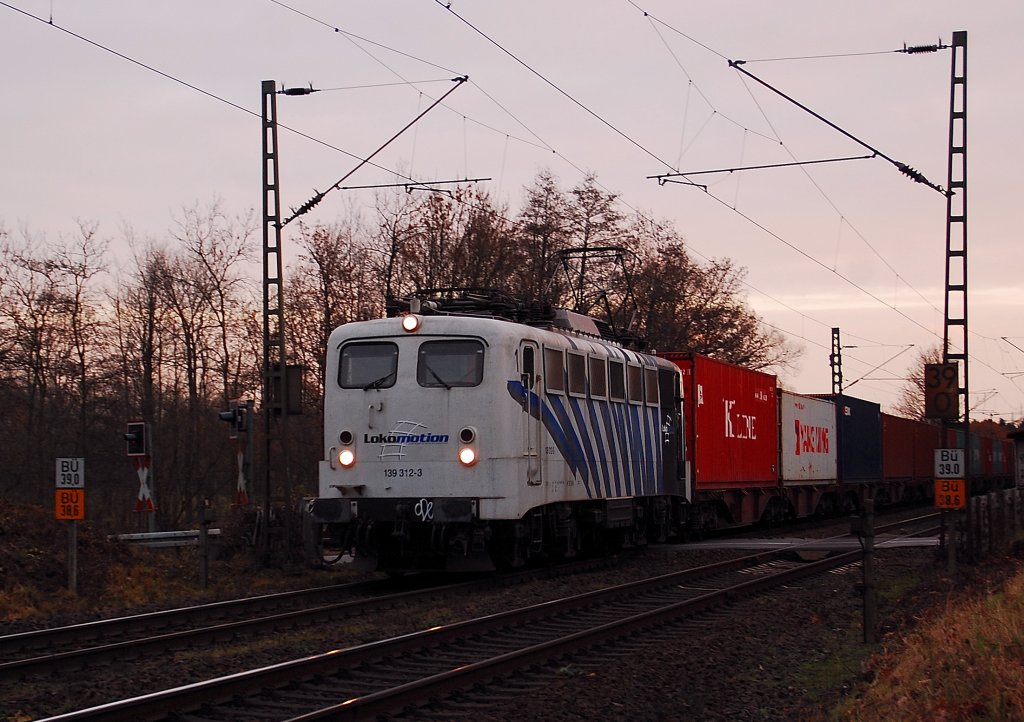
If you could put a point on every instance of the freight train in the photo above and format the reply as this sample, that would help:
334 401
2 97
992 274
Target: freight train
468 431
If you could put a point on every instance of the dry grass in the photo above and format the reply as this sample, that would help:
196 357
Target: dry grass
114 578
966 663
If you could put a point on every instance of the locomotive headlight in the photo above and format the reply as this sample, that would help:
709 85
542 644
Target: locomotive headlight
411 322
467 456
346 458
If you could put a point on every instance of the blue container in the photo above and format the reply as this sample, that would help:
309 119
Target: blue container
859 430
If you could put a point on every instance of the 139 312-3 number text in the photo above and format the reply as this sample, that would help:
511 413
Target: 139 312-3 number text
403 472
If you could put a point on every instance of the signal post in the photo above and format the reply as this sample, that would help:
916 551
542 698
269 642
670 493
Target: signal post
951 494
69 505
138 447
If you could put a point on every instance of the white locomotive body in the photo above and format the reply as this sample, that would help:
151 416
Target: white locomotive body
461 441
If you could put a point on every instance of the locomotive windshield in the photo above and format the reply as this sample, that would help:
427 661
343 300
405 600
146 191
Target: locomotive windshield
368 365
450 363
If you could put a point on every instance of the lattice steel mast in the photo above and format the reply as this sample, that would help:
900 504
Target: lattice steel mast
955 334
275 386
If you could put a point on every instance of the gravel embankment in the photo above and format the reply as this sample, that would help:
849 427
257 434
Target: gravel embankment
783 656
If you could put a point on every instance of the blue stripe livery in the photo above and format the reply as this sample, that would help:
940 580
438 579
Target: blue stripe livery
613 447
567 444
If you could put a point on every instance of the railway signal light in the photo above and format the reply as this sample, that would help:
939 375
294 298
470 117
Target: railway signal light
237 416
135 438
942 391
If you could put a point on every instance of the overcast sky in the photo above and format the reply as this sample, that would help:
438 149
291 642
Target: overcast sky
623 88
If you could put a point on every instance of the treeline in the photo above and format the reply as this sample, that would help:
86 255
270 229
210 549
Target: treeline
171 329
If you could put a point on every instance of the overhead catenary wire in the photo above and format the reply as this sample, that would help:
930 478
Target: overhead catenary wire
317 140
579 103
548 146
905 169
692 84
319 195
884 363
760 167
601 119
198 89
355 40
825 56
645 150
384 85
834 207
656 21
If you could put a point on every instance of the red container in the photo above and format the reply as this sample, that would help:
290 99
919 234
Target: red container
898 447
927 438
732 431
1010 461
998 460
908 448
987 468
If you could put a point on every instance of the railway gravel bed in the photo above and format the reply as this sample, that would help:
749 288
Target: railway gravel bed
42 696
790 657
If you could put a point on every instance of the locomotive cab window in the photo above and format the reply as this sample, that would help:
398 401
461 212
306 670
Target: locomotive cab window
447 364
554 371
368 365
651 386
577 364
527 370
616 381
598 378
635 384
527 362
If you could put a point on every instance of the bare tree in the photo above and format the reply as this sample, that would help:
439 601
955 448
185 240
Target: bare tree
140 320
459 240
79 268
52 343
329 286
542 231
593 221
219 247
395 229
686 306
910 402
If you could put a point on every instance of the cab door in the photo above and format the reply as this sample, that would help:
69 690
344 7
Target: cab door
672 435
532 439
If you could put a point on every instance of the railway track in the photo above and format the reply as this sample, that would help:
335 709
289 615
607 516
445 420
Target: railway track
120 628
887 519
393 674
82 646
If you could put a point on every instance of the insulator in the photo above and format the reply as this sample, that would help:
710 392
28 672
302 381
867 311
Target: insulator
308 205
911 173
921 49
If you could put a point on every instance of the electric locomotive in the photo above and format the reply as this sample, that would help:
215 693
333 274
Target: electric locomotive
468 431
